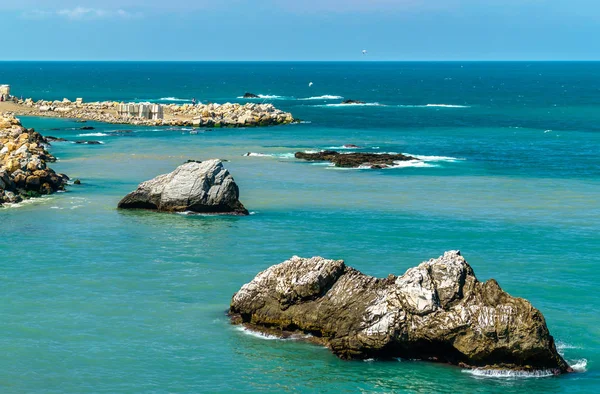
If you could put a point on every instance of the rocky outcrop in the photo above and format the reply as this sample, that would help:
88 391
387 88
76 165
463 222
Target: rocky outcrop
353 102
200 115
355 160
202 187
23 169
436 311
250 95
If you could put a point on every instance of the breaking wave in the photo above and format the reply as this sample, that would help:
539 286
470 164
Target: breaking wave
277 155
505 374
352 105
324 97
93 135
579 365
262 335
173 99
412 163
447 106
436 158
266 97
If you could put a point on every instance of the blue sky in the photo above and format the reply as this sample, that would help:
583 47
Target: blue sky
300 29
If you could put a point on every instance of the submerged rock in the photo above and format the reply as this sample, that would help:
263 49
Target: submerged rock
84 142
50 138
437 311
202 187
373 160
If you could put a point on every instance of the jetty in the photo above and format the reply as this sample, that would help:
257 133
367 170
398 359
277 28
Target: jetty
151 114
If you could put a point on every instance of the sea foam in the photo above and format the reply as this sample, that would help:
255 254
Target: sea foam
324 97
93 135
505 374
266 97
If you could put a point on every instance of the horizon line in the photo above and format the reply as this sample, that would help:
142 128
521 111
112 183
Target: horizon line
302 61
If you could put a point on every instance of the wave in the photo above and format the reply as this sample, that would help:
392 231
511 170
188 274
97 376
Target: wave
352 105
579 365
324 97
262 335
505 374
254 154
447 106
173 99
278 155
412 163
93 135
343 147
436 158
560 346
266 97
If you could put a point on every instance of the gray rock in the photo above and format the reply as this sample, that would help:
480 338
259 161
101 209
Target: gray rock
203 187
436 311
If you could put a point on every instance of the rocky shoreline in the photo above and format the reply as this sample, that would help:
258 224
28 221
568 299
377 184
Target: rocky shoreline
200 115
23 163
437 311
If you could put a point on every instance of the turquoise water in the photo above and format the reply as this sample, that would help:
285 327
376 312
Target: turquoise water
99 300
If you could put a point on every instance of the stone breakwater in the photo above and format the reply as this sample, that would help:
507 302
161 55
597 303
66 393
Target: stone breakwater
23 169
437 311
200 115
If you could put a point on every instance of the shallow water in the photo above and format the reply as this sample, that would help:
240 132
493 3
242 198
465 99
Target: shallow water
100 300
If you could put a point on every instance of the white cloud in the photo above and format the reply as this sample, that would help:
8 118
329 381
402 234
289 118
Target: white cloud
81 13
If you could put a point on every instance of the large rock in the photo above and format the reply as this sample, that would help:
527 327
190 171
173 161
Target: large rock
203 187
436 311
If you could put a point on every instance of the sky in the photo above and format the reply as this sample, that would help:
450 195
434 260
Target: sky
300 29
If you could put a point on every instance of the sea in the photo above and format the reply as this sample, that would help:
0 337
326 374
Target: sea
99 300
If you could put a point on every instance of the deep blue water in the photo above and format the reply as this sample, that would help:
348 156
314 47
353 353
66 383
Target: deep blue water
99 300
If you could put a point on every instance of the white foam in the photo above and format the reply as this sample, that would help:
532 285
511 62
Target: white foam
324 97
436 158
285 155
265 96
560 346
504 374
262 335
447 106
353 105
343 147
411 163
93 135
254 154
173 99
579 365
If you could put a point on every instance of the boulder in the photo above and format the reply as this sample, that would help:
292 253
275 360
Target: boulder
437 311
202 187
355 160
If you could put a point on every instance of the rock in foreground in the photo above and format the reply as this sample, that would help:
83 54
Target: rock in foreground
202 187
355 160
23 158
436 311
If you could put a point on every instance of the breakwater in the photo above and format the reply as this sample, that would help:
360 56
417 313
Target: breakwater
200 115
